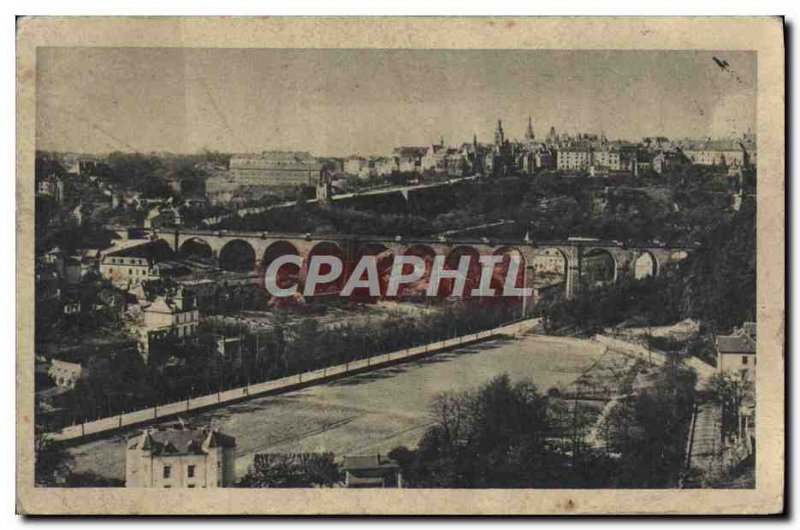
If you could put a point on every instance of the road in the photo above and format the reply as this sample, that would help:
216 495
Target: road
371 412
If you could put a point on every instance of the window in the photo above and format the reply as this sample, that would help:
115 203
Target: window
744 359
191 485
167 471
190 471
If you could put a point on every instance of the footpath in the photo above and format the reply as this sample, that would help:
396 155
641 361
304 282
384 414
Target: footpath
705 450
656 357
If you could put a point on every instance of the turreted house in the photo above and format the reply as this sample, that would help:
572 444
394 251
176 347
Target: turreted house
180 456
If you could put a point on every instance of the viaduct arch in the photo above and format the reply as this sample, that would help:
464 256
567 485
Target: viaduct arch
578 261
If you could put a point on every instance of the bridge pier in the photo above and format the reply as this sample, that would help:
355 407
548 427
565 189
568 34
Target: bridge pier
575 253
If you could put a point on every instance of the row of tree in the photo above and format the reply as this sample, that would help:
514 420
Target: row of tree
119 381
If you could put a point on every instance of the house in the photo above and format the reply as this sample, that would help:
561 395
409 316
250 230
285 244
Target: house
175 316
134 264
180 456
384 166
665 160
408 159
71 306
64 374
358 166
373 471
162 216
737 352
51 186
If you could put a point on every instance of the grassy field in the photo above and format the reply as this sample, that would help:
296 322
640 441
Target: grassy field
371 412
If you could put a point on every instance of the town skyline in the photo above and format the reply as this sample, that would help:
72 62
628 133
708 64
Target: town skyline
339 102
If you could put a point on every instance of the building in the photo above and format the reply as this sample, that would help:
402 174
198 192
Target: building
180 456
359 166
710 152
176 316
162 216
607 158
737 352
51 186
435 158
373 471
132 265
71 304
669 159
500 159
408 159
383 166
65 374
574 158
276 169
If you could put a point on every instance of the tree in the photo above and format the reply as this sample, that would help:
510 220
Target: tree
649 429
291 470
493 436
52 461
728 389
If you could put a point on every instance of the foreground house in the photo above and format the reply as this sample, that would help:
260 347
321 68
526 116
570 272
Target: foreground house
373 471
180 456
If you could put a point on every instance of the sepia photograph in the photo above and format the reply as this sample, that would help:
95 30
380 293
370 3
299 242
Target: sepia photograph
406 269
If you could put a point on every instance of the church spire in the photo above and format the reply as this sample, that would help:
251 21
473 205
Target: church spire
499 137
529 132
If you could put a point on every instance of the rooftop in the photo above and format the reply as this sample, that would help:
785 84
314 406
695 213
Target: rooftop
356 463
735 344
410 151
180 439
156 250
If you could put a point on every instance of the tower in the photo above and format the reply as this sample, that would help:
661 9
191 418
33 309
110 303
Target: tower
324 186
529 131
476 155
499 138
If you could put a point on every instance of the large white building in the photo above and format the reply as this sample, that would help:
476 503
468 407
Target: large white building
180 456
132 265
720 152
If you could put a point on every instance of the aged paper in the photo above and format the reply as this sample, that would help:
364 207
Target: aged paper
462 265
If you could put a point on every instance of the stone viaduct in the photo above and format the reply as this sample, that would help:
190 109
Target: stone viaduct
251 251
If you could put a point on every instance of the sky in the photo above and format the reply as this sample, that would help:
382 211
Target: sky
342 102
